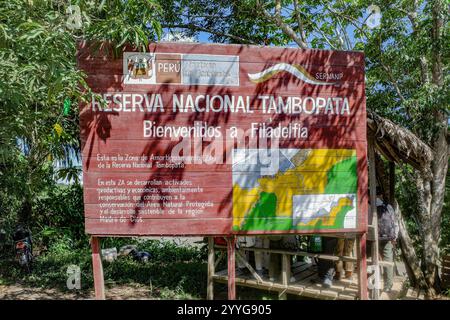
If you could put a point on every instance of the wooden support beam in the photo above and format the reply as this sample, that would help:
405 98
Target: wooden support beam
381 263
211 269
362 266
286 269
302 288
373 210
249 267
231 250
218 260
97 267
274 260
297 253
285 273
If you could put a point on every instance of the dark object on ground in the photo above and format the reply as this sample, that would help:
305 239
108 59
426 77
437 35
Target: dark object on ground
23 247
21 233
126 250
141 256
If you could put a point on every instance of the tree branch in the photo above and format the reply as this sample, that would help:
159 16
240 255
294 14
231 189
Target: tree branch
332 46
353 21
347 40
300 22
278 21
191 26
392 81
412 16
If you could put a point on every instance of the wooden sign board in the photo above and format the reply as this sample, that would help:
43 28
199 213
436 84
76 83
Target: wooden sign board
205 139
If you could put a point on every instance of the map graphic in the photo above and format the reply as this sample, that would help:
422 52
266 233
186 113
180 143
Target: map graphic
294 189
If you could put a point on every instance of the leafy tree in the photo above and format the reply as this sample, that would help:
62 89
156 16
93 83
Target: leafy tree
41 84
407 75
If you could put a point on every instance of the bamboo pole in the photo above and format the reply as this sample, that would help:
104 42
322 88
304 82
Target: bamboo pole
211 269
373 211
231 250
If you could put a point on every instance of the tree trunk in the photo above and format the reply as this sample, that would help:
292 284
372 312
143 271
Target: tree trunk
430 250
409 253
431 209
434 186
439 168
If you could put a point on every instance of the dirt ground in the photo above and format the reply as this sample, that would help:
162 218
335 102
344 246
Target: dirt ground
141 292
118 292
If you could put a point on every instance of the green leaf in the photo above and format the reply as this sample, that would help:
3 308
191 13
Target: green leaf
157 27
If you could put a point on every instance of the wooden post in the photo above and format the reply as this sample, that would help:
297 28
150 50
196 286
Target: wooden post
285 273
362 265
211 269
373 212
240 257
99 282
231 243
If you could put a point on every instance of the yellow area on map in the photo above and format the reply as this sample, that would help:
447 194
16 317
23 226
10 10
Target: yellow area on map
309 176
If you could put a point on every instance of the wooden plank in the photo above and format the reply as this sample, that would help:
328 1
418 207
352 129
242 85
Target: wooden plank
97 267
221 273
249 267
345 297
381 263
362 266
295 289
373 212
171 99
329 294
231 242
298 264
371 233
350 74
299 268
286 268
306 275
211 269
338 288
298 253
186 227
219 259
285 272
246 53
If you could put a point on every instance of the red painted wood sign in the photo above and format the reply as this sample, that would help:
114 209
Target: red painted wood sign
204 139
